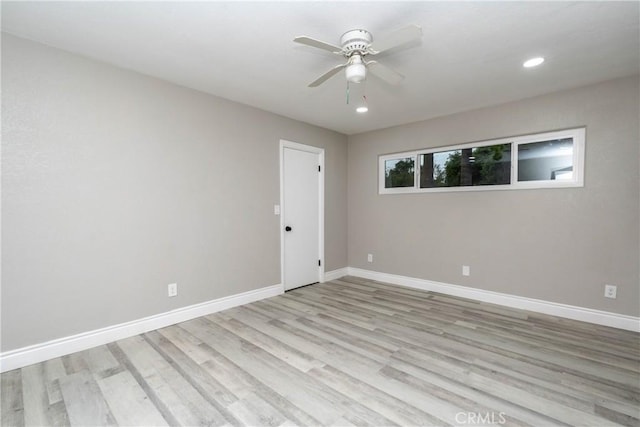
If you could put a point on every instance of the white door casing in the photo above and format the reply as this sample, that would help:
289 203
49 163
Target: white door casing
302 213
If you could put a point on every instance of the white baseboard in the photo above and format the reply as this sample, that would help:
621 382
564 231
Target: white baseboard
598 317
335 274
25 356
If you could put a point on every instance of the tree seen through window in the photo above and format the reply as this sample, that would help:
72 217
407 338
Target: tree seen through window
489 165
399 173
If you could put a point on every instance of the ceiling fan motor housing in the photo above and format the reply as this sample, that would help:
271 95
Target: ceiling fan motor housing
356 41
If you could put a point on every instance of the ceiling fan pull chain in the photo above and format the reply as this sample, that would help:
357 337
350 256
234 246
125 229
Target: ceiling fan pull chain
347 92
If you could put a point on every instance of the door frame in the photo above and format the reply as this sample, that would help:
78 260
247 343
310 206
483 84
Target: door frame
320 152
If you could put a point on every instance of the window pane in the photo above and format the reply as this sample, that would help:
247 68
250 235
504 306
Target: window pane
489 165
399 172
546 160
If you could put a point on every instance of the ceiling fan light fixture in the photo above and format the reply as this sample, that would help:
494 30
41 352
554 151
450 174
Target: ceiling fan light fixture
533 62
364 106
356 71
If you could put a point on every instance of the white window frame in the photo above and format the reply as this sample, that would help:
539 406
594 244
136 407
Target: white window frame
577 134
382 174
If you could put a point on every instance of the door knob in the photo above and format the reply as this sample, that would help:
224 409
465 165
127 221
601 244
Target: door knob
287 228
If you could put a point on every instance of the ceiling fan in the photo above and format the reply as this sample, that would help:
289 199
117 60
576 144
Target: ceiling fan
356 46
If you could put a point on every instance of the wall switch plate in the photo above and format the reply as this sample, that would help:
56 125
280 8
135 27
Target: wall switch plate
369 257
466 270
276 209
610 291
172 289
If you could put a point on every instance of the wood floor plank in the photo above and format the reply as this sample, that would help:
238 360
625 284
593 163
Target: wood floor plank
242 383
261 365
54 370
57 414
74 363
12 409
99 360
387 405
516 414
253 411
128 402
296 358
351 352
176 399
35 396
189 344
208 387
84 401
613 374
335 400
325 350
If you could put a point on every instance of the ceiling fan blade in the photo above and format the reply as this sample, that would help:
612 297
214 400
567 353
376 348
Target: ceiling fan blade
326 76
397 38
385 73
317 43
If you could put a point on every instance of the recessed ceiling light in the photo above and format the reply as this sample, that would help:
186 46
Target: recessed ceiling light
362 109
533 62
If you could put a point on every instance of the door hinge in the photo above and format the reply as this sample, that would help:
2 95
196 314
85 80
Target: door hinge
318 168
319 263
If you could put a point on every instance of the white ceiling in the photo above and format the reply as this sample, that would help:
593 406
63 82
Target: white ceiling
471 54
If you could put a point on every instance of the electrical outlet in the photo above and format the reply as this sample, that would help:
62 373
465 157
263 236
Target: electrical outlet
466 270
610 291
369 257
276 209
172 289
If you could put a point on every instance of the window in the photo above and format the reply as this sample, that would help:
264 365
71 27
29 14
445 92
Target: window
552 159
399 172
546 160
486 165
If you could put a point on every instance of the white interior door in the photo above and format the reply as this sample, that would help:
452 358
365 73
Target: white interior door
301 216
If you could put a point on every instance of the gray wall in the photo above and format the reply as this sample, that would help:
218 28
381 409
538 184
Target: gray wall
558 245
115 184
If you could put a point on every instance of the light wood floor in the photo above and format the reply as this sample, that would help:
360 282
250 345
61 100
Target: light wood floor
348 352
